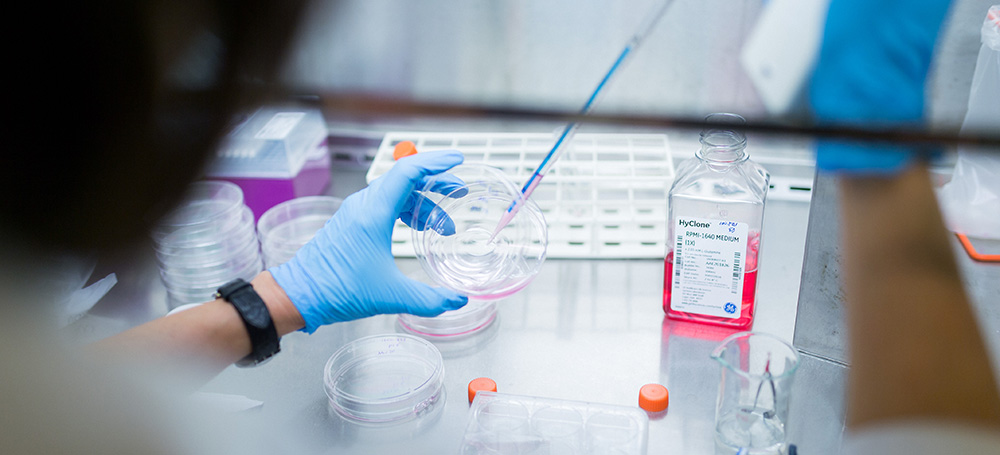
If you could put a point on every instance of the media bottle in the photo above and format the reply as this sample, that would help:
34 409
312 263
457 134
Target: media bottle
714 219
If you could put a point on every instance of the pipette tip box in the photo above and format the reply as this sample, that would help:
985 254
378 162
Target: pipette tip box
275 154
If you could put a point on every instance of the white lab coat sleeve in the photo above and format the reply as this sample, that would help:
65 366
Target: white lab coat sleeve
918 437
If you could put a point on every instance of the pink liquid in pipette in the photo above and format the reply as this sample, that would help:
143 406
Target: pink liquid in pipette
515 206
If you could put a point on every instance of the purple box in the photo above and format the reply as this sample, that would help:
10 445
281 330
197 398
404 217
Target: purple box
261 194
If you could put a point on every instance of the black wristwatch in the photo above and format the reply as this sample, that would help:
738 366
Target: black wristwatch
256 318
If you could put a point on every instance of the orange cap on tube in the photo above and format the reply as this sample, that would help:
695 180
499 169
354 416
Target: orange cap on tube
403 149
480 384
653 397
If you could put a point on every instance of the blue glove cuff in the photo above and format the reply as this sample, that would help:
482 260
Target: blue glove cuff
835 156
864 159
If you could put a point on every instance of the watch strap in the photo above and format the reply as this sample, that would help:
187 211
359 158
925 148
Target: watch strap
256 318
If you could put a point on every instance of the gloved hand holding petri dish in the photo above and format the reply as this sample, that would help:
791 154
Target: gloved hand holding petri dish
452 242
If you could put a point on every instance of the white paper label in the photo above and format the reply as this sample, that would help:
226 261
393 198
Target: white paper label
280 125
708 266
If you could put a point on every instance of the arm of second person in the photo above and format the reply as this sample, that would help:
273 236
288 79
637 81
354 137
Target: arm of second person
916 349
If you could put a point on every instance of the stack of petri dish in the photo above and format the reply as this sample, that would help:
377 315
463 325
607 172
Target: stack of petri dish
456 246
384 379
286 227
206 242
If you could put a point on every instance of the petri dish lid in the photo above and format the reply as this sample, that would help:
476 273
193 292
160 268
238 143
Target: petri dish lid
207 204
452 243
384 379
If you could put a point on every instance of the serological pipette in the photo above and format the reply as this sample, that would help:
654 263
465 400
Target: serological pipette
566 136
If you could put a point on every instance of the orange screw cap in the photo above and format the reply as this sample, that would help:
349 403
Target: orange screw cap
479 385
653 397
404 149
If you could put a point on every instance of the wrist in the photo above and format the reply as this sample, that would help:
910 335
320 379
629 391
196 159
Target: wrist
286 317
296 286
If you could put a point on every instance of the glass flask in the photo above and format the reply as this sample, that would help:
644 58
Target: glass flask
714 219
751 413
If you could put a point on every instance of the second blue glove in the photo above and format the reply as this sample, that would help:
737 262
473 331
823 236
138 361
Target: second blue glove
871 72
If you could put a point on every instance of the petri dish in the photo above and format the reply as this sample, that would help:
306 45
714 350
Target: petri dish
452 242
202 292
187 296
195 237
272 258
247 247
296 221
221 245
208 207
189 241
206 242
222 265
219 250
384 379
246 267
286 227
473 317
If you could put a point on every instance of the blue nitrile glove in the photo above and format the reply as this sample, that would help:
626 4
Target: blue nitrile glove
347 270
871 71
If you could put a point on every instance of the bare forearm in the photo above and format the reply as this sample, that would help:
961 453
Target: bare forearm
916 350
200 342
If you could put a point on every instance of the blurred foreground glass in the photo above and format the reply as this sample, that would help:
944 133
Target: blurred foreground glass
752 407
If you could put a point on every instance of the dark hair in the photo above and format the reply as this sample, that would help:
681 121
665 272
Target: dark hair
111 128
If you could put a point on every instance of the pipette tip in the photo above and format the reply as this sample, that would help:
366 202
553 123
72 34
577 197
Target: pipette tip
504 221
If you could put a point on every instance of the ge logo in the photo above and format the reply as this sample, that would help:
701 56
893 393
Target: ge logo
732 230
730 308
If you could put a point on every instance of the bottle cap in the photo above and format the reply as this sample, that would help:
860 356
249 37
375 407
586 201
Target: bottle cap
404 149
653 397
480 384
